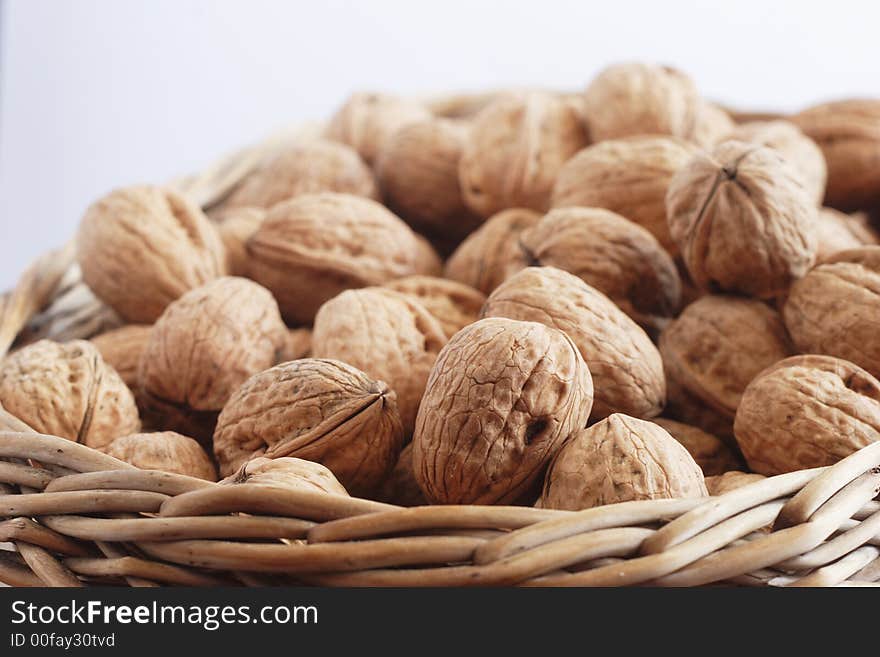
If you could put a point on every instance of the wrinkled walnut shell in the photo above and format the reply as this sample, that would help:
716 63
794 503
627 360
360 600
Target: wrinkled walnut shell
236 225
167 451
290 473
711 453
121 349
454 305
728 481
400 487
840 232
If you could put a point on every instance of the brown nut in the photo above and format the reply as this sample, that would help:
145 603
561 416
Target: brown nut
848 132
641 99
311 248
794 146
167 451
292 473
236 225
711 453
388 335
366 120
743 220
121 349
807 412
840 232
685 407
491 253
719 344
319 410
401 487
516 148
628 176
140 248
728 481
297 345
454 305
501 399
713 125
617 257
620 459
67 390
625 365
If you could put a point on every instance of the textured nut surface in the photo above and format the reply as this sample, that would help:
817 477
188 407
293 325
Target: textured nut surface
165 450
366 120
400 487
388 335
641 99
453 304
719 344
516 147
617 257
319 410
620 459
311 248
208 342
801 152
742 220
628 176
838 231
711 453
140 248
288 472
685 407
713 124
501 399
121 349
297 345
236 225
728 481
806 412
67 390
491 253
626 367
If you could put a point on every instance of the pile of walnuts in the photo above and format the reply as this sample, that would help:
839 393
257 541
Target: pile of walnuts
561 300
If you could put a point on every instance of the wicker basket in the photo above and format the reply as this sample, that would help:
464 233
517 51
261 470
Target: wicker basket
76 516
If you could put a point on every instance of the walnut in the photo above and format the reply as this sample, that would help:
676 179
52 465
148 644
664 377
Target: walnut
628 176
297 345
517 146
140 248
401 487
312 247
839 232
728 481
292 473
743 220
626 367
454 305
719 344
167 451
711 453
121 349
67 390
713 125
641 99
794 146
617 257
388 335
807 412
620 459
236 225
366 120
848 132
319 410
689 409
834 310
500 401
491 253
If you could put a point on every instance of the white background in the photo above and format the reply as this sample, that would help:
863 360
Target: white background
100 93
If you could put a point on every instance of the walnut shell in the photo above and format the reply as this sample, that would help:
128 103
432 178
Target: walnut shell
167 451
501 399
236 225
685 407
388 335
848 132
491 253
311 248
807 412
711 453
839 232
319 410
625 365
617 257
719 344
140 248
620 459
121 349
743 220
628 176
713 124
208 342
67 390
366 120
453 304
516 148
641 99
801 152
292 473
401 487
728 481
297 345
